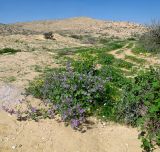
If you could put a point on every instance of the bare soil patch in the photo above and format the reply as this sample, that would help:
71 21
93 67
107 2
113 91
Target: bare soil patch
51 136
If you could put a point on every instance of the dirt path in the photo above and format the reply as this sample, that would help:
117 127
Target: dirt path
150 60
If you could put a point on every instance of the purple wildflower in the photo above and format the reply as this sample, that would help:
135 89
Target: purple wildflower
51 113
64 117
81 111
33 109
75 123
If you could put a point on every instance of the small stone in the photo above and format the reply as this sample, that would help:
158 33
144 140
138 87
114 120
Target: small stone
103 123
14 147
20 145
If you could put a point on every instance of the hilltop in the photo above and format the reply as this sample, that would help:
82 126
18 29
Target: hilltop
78 25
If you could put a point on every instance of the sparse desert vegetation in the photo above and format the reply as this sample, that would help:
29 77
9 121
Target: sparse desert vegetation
75 73
150 40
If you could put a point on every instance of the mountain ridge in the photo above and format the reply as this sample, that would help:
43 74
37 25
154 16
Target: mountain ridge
79 25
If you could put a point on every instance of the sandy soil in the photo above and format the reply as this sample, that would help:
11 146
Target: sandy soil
22 66
51 136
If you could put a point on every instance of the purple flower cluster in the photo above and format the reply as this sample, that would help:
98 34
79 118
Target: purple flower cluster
73 93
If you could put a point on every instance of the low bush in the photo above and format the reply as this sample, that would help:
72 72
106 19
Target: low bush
80 37
49 35
74 95
106 59
135 59
130 45
115 45
139 49
116 75
123 64
104 40
150 40
140 106
131 39
85 64
86 39
9 51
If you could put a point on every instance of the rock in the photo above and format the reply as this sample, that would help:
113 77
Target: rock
14 147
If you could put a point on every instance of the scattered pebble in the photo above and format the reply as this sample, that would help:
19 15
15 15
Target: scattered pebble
20 145
14 147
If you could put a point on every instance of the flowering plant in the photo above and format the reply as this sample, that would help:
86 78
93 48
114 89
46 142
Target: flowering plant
74 94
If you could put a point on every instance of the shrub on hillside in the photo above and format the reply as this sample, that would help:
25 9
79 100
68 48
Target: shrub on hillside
9 51
150 40
49 35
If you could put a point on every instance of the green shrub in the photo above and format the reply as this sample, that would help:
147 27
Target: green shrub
38 68
76 36
116 75
34 87
134 59
140 106
104 40
85 64
9 51
74 94
139 49
10 79
115 45
131 38
86 39
106 59
123 64
130 45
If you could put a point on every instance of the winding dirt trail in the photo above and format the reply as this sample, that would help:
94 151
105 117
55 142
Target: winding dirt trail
150 60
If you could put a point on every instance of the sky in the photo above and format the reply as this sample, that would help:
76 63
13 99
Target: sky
141 11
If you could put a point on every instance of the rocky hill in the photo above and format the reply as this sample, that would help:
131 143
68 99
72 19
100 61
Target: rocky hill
83 25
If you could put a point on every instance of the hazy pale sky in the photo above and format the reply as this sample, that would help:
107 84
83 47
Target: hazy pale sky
142 11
